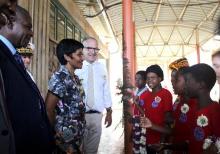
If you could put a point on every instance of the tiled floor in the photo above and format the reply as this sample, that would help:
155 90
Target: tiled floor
112 140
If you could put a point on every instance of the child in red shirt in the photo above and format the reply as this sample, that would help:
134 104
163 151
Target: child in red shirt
139 139
158 108
183 113
205 130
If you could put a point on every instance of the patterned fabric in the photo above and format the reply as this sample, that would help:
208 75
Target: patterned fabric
139 137
139 133
70 118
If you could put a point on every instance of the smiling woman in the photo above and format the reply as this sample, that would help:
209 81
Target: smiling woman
65 97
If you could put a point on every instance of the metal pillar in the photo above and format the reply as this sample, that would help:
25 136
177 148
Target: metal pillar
128 69
197 46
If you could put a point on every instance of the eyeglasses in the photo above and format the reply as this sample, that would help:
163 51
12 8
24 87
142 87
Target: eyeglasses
94 49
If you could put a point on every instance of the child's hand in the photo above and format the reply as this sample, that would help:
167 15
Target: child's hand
145 122
157 147
136 99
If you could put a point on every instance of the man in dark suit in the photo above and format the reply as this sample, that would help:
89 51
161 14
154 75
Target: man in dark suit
26 108
7 143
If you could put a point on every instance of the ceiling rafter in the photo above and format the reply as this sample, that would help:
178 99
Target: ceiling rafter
209 15
179 25
174 53
190 36
180 34
168 40
158 11
181 16
150 36
170 5
183 11
171 44
140 37
162 51
156 14
154 30
160 34
157 52
203 21
202 10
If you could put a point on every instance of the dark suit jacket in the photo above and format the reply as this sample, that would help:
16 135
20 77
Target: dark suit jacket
7 144
26 107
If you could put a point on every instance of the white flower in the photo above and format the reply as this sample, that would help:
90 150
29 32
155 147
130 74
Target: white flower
202 121
207 143
143 130
184 108
143 150
142 140
217 144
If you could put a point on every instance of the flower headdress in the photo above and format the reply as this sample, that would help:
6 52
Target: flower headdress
179 63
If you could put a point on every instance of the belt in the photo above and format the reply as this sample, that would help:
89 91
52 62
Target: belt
92 111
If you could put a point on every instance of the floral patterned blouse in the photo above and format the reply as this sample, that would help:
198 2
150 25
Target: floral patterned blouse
70 118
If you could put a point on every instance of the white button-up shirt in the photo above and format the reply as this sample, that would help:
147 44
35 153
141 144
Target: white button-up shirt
102 94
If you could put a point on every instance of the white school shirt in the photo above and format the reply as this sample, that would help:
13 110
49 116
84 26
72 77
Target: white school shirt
102 93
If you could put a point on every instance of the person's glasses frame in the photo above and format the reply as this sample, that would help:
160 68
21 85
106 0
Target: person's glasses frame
92 49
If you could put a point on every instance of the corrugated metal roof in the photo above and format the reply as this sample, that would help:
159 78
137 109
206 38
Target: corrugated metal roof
165 29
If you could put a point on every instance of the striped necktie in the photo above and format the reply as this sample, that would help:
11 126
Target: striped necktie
19 60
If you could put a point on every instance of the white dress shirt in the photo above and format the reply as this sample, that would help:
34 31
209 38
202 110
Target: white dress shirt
30 74
8 44
102 94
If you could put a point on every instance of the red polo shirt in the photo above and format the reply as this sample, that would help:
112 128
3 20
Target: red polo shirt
156 105
198 133
183 121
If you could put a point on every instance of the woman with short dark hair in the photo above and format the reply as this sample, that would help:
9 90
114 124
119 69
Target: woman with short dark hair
65 97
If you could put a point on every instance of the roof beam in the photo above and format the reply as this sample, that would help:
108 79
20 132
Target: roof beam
180 25
172 44
157 12
183 11
203 21
107 20
209 15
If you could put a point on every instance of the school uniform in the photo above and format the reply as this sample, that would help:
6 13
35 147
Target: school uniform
210 127
156 105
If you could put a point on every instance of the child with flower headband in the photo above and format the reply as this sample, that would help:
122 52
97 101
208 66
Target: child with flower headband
205 132
158 109
183 113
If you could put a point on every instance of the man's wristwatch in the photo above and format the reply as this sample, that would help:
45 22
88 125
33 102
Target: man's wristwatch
109 110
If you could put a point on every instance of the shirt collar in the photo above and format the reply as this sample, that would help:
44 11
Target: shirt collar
8 44
64 69
87 63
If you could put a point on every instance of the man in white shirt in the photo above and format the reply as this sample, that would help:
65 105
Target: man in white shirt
95 83
216 65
